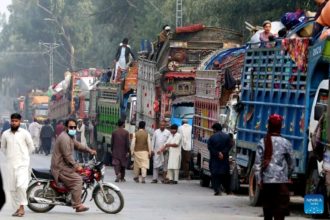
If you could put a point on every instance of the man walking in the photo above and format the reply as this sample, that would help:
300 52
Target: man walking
17 145
158 141
219 146
186 132
174 160
141 151
63 165
35 129
46 135
120 150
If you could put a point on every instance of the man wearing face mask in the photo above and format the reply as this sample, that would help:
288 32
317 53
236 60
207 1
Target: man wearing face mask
63 166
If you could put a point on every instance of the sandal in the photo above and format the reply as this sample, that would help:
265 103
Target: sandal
18 214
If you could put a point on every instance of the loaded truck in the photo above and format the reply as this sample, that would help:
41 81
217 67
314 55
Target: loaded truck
112 101
217 87
70 97
287 79
166 78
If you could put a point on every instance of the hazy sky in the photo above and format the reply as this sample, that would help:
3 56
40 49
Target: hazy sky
3 6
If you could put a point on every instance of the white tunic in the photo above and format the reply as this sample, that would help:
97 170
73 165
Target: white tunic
17 148
186 132
174 159
158 141
35 129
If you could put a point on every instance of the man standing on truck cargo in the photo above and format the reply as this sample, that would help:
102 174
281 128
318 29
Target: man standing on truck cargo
219 146
122 58
273 167
186 132
120 150
141 151
158 141
163 36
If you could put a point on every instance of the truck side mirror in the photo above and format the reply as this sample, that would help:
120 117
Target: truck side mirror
318 111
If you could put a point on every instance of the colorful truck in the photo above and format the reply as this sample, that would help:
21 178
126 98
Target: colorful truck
166 81
217 84
283 79
70 97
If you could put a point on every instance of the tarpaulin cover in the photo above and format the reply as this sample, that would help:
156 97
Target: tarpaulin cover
131 78
189 29
222 55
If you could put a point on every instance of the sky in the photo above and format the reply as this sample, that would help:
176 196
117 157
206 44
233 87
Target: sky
3 6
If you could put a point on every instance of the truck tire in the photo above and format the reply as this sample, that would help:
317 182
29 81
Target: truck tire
204 180
234 181
254 190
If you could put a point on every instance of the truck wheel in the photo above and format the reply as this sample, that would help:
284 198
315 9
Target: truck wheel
204 180
254 190
234 181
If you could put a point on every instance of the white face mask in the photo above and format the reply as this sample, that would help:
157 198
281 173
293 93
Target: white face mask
72 132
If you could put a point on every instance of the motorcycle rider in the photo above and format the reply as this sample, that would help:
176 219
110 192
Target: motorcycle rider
63 165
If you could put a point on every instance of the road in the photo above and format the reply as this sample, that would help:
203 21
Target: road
186 200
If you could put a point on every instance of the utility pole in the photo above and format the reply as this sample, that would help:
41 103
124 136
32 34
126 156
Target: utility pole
50 47
178 13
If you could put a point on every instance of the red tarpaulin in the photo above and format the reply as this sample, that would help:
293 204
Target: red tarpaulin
190 28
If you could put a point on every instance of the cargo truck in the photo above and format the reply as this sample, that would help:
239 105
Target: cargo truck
286 79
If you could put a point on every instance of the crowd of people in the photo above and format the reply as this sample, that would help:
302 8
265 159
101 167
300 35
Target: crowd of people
167 149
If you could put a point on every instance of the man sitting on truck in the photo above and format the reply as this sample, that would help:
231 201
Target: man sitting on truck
266 36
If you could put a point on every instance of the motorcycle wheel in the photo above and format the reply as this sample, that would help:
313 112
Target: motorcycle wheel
112 202
37 190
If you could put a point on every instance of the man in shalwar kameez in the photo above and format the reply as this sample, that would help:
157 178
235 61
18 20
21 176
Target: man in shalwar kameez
141 151
63 166
158 141
173 143
17 145
120 150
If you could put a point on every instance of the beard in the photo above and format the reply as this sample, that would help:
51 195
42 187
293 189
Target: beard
14 128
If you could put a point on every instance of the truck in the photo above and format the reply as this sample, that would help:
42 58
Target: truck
36 103
214 102
114 101
70 97
287 82
166 81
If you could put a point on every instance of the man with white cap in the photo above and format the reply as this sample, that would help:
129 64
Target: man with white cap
186 132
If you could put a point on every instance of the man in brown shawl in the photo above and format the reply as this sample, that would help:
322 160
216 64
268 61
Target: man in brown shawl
63 166
120 150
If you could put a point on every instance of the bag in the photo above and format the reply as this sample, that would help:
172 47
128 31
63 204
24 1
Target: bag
292 19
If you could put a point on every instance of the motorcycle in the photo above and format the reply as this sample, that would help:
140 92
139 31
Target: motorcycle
44 193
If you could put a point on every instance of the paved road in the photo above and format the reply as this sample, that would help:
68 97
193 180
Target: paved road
184 201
